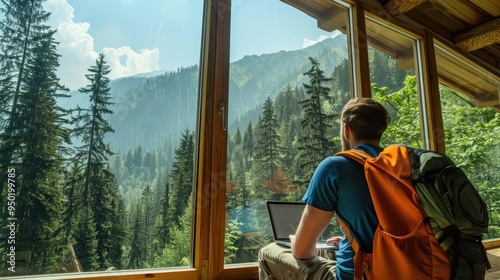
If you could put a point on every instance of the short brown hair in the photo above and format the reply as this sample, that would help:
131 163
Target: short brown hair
367 118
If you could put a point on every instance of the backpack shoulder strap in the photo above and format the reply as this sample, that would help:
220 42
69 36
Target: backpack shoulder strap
359 264
357 155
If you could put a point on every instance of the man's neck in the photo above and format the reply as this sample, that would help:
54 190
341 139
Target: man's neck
369 142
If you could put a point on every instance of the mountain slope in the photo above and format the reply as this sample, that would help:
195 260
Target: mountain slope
150 110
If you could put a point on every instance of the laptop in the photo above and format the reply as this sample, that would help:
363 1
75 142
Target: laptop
285 217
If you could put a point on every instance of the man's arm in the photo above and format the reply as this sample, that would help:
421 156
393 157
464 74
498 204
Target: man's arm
312 224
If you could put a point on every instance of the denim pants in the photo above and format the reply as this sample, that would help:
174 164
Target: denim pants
277 262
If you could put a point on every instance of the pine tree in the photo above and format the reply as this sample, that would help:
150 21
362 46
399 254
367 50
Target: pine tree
92 126
109 219
178 250
269 153
379 70
286 105
99 189
248 146
22 29
237 137
42 142
137 251
244 196
341 82
129 162
138 156
162 225
118 234
147 200
85 237
315 123
182 176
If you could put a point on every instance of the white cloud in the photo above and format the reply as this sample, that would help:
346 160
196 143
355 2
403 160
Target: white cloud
126 62
76 47
309 42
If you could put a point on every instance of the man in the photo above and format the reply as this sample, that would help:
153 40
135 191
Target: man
338 186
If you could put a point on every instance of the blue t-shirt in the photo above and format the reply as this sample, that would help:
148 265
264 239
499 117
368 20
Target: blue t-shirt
339 185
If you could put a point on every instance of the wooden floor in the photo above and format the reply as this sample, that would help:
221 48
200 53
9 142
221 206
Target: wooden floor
494 257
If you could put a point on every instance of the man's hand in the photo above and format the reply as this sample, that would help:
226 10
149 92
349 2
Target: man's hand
334 241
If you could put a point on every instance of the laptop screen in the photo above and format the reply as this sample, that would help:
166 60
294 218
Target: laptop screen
284 217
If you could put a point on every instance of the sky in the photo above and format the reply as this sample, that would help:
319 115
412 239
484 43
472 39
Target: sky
141 36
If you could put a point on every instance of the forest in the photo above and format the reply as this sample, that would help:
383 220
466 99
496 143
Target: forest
83 197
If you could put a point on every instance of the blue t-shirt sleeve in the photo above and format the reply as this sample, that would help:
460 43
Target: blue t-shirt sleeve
322 192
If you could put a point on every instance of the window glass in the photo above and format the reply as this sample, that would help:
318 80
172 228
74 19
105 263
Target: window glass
98 105
395 82
471 121
281 66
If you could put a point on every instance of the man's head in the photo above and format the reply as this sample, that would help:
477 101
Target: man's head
363 120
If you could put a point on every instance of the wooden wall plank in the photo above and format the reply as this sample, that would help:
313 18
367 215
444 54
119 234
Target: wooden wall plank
491 7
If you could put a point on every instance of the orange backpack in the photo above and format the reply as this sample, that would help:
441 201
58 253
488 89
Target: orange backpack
404 246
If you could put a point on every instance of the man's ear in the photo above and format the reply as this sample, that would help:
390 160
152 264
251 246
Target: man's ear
346 130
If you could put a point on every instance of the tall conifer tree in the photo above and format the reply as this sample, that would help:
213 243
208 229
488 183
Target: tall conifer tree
162 227
137 250
98 188
315 124
147 200
21 30
42 140
248 146
182 176
269 152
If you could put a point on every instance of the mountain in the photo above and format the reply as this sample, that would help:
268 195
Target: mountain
151 109
265 75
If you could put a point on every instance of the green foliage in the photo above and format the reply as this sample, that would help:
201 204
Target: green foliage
471 141
161 225
403 109
177 252
270 178
97 186
182 177
385 73
32 130
86 241
314 141
137 255
232 234
248 146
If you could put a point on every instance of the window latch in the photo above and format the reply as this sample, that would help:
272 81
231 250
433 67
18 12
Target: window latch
223 112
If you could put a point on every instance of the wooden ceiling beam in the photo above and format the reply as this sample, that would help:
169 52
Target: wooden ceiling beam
304 6
479 37
398 7
486 100
333 19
